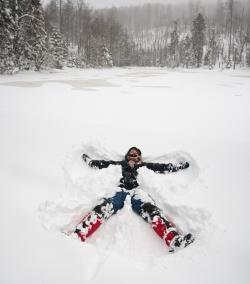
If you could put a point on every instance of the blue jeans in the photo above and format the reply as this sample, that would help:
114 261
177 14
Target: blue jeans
142 204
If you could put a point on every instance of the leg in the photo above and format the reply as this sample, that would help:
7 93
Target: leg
92 221
144 206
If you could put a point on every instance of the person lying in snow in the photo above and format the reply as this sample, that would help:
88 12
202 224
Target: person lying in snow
141 202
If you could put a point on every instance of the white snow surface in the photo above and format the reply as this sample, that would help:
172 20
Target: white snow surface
48 119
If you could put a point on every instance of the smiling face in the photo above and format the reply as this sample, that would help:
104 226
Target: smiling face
134 156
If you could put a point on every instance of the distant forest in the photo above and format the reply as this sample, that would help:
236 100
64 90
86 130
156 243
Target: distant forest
71 33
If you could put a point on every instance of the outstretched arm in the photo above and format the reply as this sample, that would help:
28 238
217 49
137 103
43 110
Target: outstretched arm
100 164
162 168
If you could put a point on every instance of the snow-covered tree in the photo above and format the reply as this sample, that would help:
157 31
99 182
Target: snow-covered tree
212 50
198 38
247 53
57 49
51 15
186 52
30 42
67 22
174 48
92 52
7 32
124 48
248 57
105 57
37 33
76 60
230 4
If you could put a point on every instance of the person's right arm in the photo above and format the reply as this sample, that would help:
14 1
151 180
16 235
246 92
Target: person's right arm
100 164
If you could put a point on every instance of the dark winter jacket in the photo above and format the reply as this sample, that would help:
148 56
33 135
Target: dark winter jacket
129 175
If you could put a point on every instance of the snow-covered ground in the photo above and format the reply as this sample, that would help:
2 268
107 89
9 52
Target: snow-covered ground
47 120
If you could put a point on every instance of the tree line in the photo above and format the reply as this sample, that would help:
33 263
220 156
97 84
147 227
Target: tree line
70 33
190 34
33 37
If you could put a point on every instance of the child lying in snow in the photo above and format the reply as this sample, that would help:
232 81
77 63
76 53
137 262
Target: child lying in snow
142 203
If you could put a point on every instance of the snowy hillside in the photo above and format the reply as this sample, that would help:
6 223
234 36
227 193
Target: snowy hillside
48 119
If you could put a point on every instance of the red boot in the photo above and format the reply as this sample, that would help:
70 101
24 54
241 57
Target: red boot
164 232
88 226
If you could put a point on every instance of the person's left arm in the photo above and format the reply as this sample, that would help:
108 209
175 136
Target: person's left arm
162 168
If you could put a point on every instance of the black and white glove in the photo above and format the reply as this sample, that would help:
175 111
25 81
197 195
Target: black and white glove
86 158
183 165
99 164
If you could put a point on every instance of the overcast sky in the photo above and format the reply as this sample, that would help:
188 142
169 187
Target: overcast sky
110 3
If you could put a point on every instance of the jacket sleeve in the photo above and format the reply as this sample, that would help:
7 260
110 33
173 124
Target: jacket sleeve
99 164
162 168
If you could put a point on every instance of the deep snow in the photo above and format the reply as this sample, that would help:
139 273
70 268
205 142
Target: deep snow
47 120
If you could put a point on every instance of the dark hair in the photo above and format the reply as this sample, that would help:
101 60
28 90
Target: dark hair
132 148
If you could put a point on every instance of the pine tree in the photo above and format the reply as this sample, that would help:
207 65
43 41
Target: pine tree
67 22
230 53
124 49
248 57
22 48
212 50
105 57
113 33
39 34
186 52
7 31
198 38
92 52
51 13
248 47
173 48
57 50
31 35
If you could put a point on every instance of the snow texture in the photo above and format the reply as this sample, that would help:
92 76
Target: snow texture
48 119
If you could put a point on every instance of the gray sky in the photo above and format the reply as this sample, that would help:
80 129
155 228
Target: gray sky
110 3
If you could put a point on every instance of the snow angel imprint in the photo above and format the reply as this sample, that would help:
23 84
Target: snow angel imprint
142 204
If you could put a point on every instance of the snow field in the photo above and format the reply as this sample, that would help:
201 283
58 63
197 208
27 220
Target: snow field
47 120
